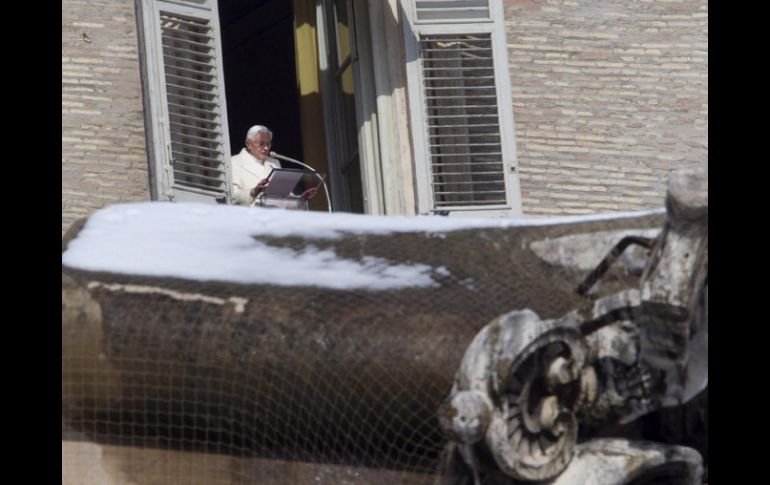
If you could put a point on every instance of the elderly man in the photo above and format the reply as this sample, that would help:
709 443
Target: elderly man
253 164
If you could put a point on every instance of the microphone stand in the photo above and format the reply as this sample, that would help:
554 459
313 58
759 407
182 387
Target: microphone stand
312 170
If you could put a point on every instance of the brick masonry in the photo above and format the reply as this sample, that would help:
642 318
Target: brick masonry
104 157
609 98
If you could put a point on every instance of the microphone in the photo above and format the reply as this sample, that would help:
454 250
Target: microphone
311 169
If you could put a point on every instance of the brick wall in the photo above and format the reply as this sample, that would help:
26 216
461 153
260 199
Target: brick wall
104 158
609 98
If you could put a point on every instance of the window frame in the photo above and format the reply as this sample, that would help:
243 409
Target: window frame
493 26
156 113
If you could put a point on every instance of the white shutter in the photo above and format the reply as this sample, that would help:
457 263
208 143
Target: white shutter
189 118
451 10
461 109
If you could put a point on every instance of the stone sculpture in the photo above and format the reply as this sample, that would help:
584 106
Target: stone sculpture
349 379
526 384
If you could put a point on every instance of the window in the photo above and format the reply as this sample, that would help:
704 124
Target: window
337 60
186 101
461 109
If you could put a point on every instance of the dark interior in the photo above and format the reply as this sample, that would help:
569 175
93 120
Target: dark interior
260 72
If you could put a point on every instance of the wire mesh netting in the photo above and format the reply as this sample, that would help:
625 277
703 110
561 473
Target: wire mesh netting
168 380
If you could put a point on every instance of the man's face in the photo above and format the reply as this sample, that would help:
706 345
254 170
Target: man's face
260 146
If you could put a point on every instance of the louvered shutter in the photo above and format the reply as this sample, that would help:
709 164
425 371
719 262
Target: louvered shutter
187 96
460 10
461 109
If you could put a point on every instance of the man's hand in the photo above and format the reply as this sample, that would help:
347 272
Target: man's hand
258 188
309 193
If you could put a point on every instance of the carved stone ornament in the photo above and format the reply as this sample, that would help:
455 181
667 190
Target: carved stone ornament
526 384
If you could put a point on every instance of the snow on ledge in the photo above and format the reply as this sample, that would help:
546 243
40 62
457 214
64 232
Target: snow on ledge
213 242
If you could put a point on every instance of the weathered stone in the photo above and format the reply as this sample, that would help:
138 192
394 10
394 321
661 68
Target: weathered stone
312 369
635 351
621 462
356 376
